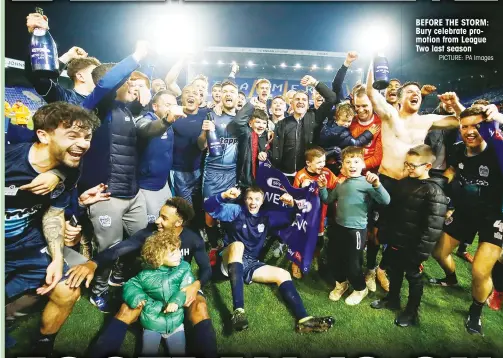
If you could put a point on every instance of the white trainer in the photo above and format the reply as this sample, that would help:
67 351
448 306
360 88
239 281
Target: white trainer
356 297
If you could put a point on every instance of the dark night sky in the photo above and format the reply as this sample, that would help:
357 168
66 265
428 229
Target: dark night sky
109 30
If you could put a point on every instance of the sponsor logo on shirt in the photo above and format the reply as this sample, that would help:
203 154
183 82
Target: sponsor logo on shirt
275 183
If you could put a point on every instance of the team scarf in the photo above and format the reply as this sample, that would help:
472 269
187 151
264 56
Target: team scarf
302 235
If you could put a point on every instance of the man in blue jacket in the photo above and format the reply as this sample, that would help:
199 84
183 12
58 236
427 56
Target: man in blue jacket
156 153
113 159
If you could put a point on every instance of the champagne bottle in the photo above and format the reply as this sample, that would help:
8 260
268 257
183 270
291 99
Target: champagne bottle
214 145
43 52
381 72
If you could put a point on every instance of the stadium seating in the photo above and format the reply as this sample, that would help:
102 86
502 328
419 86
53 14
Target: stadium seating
26 95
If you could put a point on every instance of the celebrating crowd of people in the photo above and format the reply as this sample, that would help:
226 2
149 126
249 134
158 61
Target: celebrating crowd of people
127 166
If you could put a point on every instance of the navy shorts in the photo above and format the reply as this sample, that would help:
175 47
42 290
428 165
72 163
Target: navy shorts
217 181
463 225
26 264
186 184
250 265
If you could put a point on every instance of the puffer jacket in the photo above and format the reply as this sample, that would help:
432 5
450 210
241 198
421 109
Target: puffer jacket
158 288
418 210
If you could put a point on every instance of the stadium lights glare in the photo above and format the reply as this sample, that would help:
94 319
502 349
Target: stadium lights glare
374 38
205 62
250 63
220 62
283 65
328 68
297 65
360 70
170 43
314 67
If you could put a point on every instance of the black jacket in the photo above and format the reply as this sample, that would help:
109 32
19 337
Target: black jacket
286 129
239 126
418 210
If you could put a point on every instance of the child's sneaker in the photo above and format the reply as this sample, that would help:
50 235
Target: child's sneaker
383 279
409 317
338 291
356 297
370 280
101 302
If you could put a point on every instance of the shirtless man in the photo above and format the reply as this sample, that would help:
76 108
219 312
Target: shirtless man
402 130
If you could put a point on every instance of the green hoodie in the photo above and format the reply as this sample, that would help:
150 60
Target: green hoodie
158 288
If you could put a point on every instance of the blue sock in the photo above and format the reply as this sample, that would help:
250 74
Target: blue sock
206 339
110 340
237 284
292 299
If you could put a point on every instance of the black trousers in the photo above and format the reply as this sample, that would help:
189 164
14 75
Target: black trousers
402 262
346 248
498 276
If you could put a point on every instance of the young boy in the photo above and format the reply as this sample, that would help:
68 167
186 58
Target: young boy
246 228
335 134
158 290
347 237
250 126
419 206
315 167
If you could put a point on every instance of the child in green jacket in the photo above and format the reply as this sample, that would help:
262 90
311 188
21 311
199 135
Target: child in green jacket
157 289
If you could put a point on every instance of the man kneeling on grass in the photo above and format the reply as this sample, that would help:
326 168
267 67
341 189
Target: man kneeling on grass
246 229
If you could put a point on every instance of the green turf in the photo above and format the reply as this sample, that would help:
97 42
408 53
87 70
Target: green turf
358 330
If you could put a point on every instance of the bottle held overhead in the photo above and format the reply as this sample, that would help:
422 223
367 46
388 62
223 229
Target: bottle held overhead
43 52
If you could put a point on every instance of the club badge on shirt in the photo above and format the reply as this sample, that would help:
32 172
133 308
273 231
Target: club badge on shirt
484 171
11 190
261 228
58 190
105 220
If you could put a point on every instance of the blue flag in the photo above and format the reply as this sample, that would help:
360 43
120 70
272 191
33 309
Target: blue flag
302 235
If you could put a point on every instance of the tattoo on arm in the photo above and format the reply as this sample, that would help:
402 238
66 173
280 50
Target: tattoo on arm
53 224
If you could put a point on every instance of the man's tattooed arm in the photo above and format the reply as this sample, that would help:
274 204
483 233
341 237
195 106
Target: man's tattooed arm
53 224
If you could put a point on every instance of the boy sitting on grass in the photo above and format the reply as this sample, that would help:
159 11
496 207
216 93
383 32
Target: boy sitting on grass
246 228
419 206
